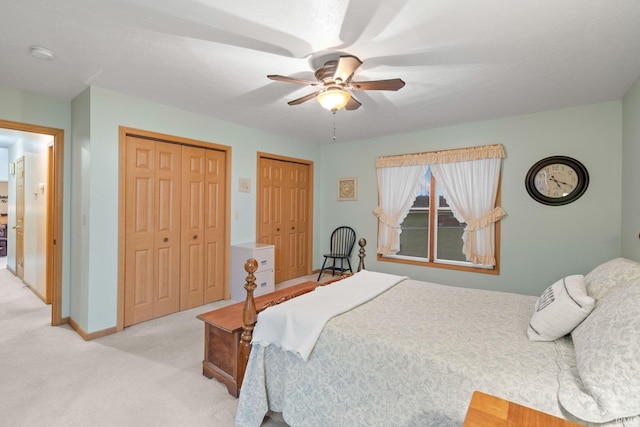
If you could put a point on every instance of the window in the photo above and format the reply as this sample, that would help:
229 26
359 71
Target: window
440 208
444 236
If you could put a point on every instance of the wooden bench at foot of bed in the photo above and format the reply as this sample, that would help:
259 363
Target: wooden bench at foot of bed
227 330
222 331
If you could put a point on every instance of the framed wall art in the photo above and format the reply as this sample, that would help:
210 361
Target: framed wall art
347 189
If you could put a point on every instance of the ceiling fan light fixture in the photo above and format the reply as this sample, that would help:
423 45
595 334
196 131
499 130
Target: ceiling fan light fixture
42 53
333 98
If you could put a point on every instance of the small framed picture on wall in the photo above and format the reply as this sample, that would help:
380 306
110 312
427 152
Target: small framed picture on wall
347 189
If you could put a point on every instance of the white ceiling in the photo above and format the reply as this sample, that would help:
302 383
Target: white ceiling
462 60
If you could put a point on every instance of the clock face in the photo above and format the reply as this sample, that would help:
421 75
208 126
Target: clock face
557 180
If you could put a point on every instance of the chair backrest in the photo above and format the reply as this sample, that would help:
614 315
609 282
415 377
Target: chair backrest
342 241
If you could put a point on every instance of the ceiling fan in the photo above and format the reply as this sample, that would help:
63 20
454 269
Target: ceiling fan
334 83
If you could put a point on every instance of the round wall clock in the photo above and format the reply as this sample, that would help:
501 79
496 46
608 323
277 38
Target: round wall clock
557 180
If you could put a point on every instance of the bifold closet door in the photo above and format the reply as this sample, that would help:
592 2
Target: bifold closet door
296 206
290 207
203 226
214 224
193 243
302 219
284 215
271 226
152 238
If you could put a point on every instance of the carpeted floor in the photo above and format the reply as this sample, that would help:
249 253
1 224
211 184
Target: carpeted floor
148 375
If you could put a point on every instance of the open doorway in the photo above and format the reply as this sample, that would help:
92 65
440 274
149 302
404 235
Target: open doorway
48 186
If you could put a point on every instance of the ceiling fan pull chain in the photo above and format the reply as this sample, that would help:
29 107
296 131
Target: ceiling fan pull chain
334 125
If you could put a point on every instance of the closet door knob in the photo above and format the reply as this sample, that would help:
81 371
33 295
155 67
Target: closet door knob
166 239
195 237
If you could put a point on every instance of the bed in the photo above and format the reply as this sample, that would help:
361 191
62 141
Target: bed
414 354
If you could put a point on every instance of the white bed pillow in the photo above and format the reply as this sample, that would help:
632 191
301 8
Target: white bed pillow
607 355
560 308
609 274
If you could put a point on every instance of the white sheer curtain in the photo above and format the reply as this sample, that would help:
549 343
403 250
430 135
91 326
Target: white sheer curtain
470 188
397 189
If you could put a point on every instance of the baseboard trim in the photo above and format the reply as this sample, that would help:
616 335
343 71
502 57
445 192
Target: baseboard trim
93 335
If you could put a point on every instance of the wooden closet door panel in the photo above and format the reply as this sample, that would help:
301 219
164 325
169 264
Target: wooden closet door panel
140 230
284 216
278 220
290 250
192 234
303 220
167 229
264 200
264 191
271 210
214 222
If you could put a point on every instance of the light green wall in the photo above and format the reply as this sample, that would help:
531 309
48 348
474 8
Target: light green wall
80 239
631 173
25 107
108 111
539 243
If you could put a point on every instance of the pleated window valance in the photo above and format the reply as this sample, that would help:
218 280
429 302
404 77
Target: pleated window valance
444 156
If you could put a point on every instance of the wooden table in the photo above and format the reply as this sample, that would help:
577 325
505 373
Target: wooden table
222 330
490 411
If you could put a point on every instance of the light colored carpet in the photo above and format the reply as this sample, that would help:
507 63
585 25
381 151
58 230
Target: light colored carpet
148 375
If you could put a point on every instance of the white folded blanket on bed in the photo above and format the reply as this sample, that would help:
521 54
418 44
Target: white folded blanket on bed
296 324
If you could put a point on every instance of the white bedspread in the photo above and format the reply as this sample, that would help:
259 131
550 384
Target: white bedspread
296 325
410 357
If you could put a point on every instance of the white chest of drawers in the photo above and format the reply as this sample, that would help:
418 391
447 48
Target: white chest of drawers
265 278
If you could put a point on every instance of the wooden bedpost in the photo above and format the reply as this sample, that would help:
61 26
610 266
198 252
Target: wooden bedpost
249 318
362 243
250 312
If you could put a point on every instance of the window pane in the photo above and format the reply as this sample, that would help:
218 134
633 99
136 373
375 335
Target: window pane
414 239
421 202
449 238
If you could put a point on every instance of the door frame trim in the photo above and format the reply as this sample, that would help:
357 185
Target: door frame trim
19 269
54 213
263 155
124 132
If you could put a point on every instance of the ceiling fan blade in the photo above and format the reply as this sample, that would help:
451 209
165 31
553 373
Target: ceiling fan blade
201 21
303 99
292 80
353 104
357 17
347 64
433 56
366 19
391 84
